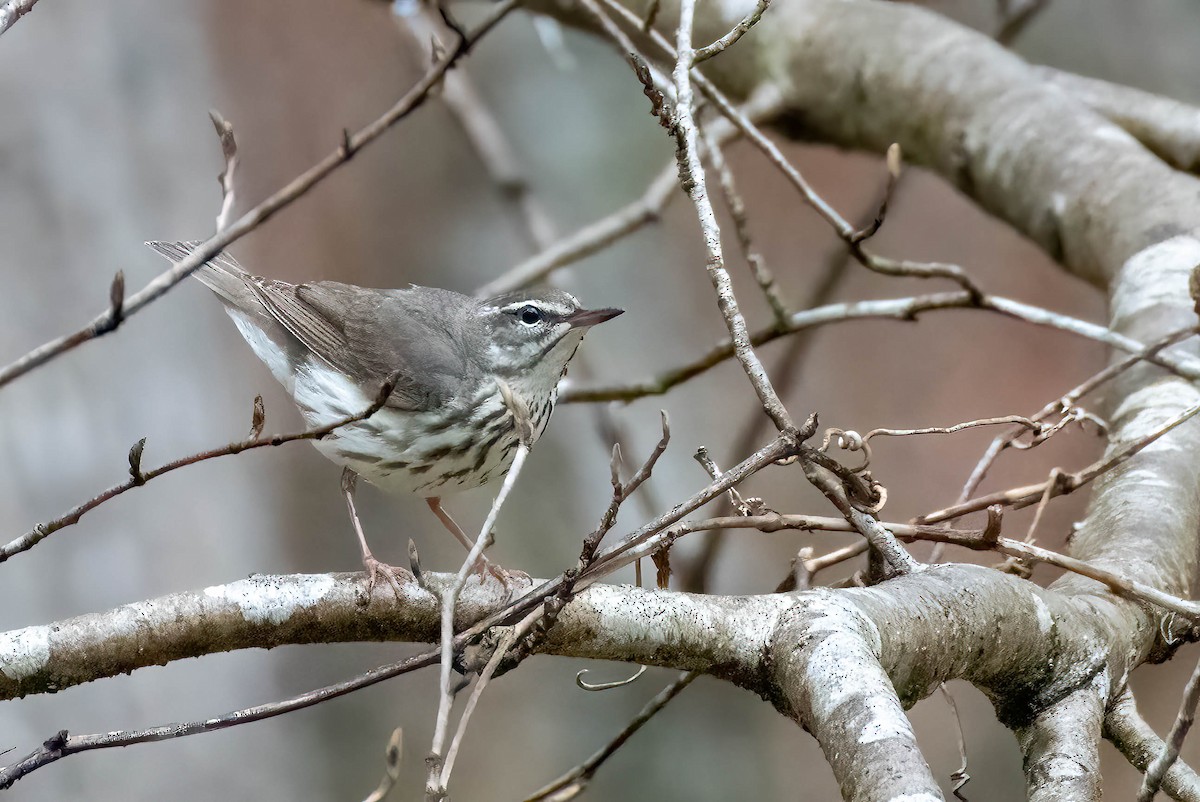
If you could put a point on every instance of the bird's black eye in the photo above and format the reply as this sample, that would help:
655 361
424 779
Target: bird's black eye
530 315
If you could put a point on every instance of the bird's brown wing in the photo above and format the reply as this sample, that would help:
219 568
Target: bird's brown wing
367 334
418 332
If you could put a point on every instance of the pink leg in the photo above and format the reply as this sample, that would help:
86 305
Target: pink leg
374 567
483 564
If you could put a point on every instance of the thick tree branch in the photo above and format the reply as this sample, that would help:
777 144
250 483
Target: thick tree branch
1170 129
1061 747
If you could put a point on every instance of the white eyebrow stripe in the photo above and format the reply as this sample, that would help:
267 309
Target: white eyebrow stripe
541 306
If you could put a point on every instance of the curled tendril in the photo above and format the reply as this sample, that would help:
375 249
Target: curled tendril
605 686
879 490
848 440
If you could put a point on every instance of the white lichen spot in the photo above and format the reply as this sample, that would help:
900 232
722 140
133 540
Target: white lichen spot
264 600
1111 133
1058 202
885 724
25 652
1045 620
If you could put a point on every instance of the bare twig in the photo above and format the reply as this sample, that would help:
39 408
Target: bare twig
738 31
691 176
463 98
1179 730
13 10
590 239
574 781
1130 733
63 745
902 309
958 427
511 637
737 210
850 440
986 539
625 221
435 787
138 477
840 225
225 179
651 15
391 767
1059 484
714 473
1015 16
103 324
893 162
622 491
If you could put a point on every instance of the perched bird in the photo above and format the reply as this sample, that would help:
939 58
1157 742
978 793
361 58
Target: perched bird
445 427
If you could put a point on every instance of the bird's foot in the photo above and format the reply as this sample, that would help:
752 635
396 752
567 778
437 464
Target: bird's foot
392 573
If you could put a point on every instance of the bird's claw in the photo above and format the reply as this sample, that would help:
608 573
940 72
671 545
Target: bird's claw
392 573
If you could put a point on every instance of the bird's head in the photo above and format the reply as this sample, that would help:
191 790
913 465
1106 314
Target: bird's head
536 332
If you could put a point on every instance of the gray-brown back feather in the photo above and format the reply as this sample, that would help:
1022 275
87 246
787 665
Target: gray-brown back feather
431 336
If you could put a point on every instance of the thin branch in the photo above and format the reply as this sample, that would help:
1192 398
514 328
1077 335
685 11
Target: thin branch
104 323
737 210
892 160
435 787
13 10
225 179
1060 484
958 427
627 220
576 780
739 30
138 477
463 98
591 239
1170 752
392 756
511 637
902 309
63 745
840 225
986 539
1015 16
691 176
1130 733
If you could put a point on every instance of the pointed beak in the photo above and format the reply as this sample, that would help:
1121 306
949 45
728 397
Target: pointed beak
590 317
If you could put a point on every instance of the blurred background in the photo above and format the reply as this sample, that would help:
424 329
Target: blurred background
105 143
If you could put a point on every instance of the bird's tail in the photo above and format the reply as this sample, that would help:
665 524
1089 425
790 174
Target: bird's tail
221 274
